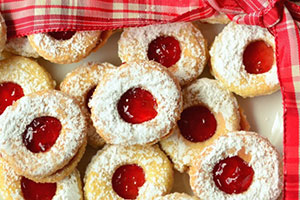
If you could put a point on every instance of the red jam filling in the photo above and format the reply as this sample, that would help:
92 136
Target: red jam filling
164 50
62 35
137 106
9 93
197 124
233 175
258 57
41 134
89 97
37 191
127 180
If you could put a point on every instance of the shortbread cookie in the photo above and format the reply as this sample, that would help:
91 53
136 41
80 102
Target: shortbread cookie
134 172
41 133
65 47
176 196
218 18
3 36
240 165
243 59
138 104
80 84
21 46
210 111
15 187
21 76
180 47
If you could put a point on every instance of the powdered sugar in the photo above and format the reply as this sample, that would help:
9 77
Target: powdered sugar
13 123
265 161
157 169
176 196
227 57
134 42
149 76
21 46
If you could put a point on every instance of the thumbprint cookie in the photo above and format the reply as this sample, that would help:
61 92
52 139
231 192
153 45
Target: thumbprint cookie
3 36
243 59
240 165
133 172
209 111
80 84
176 196
20 46
41 134
180 47
15 187
21 76
137 104
65 46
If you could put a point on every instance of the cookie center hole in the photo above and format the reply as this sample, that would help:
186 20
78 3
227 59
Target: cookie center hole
127 180
197 123
137 105
164 50
9 93
233 175
62 35
89 97
258 57
41 134
37 191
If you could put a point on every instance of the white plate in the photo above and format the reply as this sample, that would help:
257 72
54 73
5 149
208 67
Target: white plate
263 113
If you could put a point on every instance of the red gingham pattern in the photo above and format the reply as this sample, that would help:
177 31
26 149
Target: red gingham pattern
32 16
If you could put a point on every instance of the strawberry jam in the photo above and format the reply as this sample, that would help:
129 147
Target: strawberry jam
197 124
137 106
258 57
37 191
233 175
164 50
62 35
41 134
89 97
127 180
9 93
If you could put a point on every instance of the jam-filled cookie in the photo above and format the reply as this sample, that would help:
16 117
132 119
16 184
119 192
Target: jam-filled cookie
243 59
240 165
137 104
176 196
209 112
80 84
41 134
180 47
21 76
15 187
20 46
66 46
134 172
3 36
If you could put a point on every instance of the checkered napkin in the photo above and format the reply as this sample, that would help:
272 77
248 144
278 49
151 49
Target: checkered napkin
279 16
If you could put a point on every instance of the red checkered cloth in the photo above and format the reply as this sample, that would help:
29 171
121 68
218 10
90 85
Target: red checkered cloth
32 16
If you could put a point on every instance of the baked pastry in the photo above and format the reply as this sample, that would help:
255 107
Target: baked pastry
67 46
176 196
138 104
21 76
80 84
243 59
180 47
41 133
15 187
210 111
133 172
3 36
20 46
240 165
217 18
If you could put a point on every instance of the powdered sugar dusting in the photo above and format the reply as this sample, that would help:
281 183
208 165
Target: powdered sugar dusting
176 196
149 76
157 169
265 161
133 45
13 123
227 56
21 46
